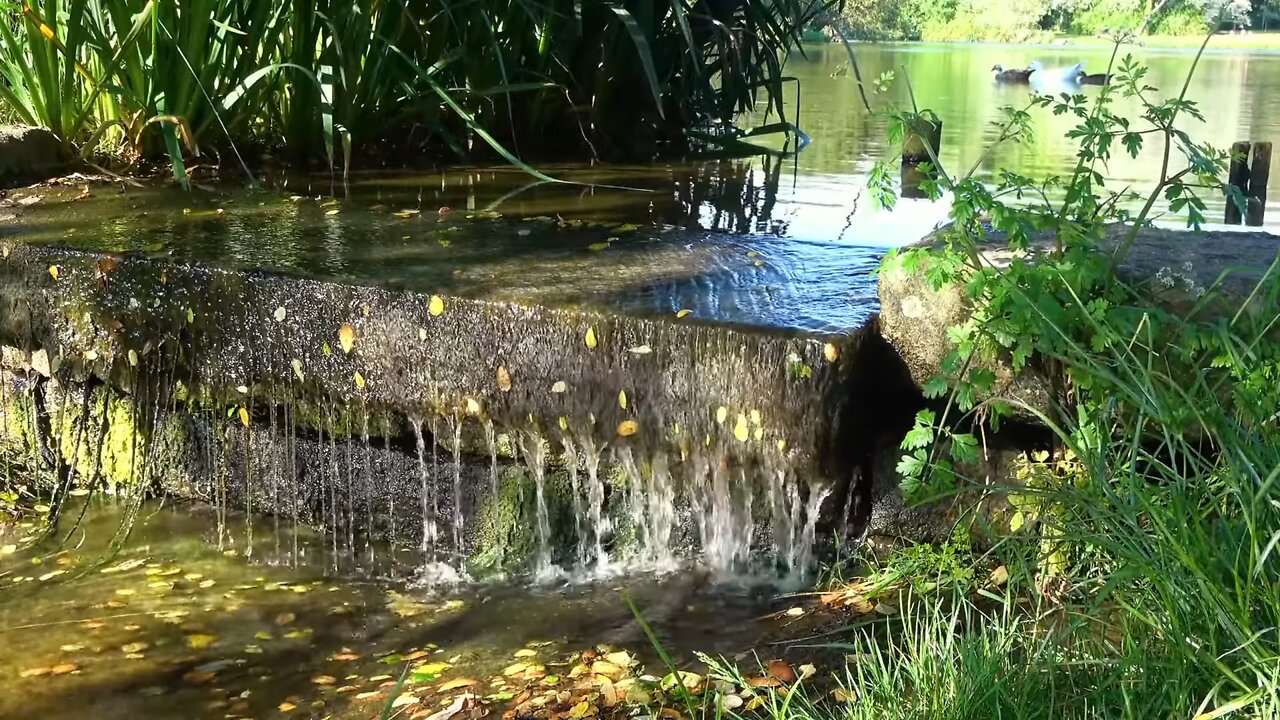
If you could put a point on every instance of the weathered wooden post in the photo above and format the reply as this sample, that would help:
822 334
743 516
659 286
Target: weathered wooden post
1237 177
1259 172
921 136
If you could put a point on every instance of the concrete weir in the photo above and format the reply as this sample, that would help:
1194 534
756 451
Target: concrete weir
482 435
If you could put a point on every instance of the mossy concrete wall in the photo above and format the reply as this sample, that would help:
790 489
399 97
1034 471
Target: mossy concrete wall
684 383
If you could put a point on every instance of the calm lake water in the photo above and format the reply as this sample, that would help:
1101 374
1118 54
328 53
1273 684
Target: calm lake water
822 198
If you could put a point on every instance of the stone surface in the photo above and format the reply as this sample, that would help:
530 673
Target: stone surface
1176 267
28 154
763 395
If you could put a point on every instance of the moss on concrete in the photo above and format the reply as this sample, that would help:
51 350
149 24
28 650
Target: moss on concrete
505 531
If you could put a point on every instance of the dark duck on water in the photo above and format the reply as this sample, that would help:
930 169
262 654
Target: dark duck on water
1012 75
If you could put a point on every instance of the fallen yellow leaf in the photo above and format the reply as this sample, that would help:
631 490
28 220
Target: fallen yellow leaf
627 428
504 379
347 337
200 641
436 306
457 684
590 338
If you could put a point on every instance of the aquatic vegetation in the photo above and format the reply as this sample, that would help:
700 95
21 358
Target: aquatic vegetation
371 79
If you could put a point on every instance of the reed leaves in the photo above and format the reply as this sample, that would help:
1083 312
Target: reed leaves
327 80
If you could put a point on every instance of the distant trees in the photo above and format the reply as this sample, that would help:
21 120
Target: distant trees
1014 20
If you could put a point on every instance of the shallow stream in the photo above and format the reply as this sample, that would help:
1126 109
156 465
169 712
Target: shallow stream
176 625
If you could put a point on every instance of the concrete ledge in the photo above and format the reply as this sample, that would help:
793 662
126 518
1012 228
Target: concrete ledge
28 154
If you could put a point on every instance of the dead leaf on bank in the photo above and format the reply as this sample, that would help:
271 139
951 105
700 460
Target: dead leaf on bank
458 705
781 670
691 681
842 695
458 684
999 576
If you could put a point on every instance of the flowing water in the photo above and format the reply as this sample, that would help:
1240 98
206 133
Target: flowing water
363 540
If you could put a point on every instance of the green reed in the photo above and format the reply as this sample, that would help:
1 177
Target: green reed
332 80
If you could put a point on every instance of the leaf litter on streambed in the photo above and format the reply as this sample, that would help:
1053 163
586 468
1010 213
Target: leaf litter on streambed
218 637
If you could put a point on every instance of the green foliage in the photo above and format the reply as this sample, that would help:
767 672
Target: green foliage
1156 517
141 78
1029 20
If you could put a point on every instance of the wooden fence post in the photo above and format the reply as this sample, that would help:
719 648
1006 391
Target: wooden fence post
915 150
1259 172
1237 177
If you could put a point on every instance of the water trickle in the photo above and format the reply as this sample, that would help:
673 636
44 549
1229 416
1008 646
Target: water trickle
531 446
491 443
248 481
428 517
783 502
575 490
727 523
661 495
435 478
367 484
802 553
456 449
295 495
591 543
636 504
370 488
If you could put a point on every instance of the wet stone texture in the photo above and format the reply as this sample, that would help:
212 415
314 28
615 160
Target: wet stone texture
1176 267
487 436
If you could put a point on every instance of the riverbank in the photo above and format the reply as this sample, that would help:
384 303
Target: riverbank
1260 41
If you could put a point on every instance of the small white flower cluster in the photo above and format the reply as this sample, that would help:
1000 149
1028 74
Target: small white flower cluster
1168 279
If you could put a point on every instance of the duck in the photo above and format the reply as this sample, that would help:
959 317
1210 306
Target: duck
1094 79
1012 75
